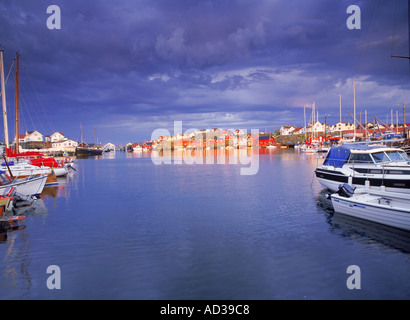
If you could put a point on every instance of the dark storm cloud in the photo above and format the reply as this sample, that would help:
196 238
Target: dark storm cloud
119 64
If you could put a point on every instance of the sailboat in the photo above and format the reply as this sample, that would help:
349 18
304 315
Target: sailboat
83 149
23 168
34 183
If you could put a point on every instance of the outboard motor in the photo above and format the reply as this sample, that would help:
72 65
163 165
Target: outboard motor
346 190
18 197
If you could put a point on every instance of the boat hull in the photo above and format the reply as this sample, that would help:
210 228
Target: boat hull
60 171
32 186
51 180
79 151
332 179
373 208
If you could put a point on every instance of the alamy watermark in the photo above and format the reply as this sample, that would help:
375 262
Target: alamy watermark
54 20
207 146
353 281
354 20
54 280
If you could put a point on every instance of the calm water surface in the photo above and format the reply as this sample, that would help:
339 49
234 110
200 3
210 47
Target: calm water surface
122 227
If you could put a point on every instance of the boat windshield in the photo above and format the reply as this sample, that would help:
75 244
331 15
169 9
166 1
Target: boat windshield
380 157
360 158
390 156
397 155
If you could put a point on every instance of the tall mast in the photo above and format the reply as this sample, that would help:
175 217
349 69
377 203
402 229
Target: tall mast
404 120
81 128
304 113
354 109
340 107
392 122
408 30
3 98
17 102
314 119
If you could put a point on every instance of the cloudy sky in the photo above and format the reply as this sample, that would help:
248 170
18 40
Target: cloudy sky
125 68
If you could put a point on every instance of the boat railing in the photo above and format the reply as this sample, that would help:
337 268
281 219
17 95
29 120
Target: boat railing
357 164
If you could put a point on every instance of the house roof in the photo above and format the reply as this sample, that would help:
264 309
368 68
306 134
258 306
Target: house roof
32 131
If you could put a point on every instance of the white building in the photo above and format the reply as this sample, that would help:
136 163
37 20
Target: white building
57 136
299 130
109 146
343 126
64 144
286 130
33 136
317 127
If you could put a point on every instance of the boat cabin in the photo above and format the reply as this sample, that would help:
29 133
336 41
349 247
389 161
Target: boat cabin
364 154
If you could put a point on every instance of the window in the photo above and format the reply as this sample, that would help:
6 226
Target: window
404 155
394 156
360 158
380 157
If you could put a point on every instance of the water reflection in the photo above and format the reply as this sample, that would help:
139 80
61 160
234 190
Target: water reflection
141 154
7 229
366 232
109 155
203 156
89 157
353 228
179 227
38 207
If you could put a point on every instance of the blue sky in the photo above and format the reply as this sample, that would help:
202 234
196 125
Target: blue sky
126 68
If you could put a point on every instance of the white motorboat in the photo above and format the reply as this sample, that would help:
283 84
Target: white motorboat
309 148
323 149
49 162
60 171
358 164
377 205
30 186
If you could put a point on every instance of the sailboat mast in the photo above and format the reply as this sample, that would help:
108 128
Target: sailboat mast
304 114
81 128
17 103
354 109
404 119
340 108
314 120
3 98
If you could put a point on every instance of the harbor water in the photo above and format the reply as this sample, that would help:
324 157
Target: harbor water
125 227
